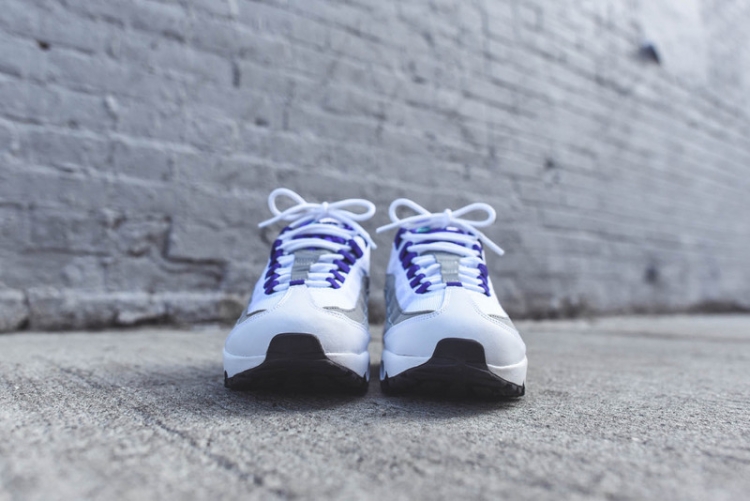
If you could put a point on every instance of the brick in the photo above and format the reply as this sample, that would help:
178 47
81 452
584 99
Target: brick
14 311
14 227
69 150
53 231
142 161
22 57
168 20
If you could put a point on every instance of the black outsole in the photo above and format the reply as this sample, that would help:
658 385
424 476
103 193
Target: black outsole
457 368
297 362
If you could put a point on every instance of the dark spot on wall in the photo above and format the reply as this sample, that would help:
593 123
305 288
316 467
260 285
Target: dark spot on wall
552 172
651 275
236 75
261 122
173 35
648 52
415 77
43 45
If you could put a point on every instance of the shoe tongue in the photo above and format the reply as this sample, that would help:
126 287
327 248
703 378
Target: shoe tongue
441 229
435 229
321 234
334 222
325 220
330 220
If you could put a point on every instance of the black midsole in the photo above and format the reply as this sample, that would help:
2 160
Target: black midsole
457 366
297 361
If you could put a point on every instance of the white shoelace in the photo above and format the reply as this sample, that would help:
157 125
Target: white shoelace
416 245
309 224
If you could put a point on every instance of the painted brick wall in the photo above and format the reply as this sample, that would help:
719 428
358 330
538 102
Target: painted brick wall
139 139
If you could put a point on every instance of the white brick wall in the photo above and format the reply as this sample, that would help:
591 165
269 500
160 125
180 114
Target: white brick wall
139 139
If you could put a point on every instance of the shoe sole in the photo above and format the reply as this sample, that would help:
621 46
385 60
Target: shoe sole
297 362
457 367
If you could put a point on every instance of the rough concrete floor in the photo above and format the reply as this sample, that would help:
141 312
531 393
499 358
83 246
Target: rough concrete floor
638 408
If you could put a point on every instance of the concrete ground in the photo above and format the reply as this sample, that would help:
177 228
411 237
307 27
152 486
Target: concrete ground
618 408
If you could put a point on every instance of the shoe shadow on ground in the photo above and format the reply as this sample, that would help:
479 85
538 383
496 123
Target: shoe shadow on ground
199 388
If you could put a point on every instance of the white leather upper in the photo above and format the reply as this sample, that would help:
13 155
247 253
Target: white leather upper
455 312
411 302
344 297
296 312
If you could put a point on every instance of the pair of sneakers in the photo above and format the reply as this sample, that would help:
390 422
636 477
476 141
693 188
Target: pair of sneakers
307 320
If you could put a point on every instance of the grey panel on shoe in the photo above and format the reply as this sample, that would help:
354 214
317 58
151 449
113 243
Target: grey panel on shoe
245 315
504 320
303 259
394 314
359 312
448 266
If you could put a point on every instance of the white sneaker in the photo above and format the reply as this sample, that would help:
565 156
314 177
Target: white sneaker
307 319
445 328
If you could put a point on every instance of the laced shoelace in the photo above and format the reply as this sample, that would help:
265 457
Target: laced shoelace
442 232
327 227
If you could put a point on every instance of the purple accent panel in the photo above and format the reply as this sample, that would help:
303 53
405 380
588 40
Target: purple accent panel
348 257
416 280
269 286
412 271
333 283
338 276
329 238
355 248
296 282
484 275
342 265
399 238
423 288
275 252
454 284
477 247
406 257
272 269
271 282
